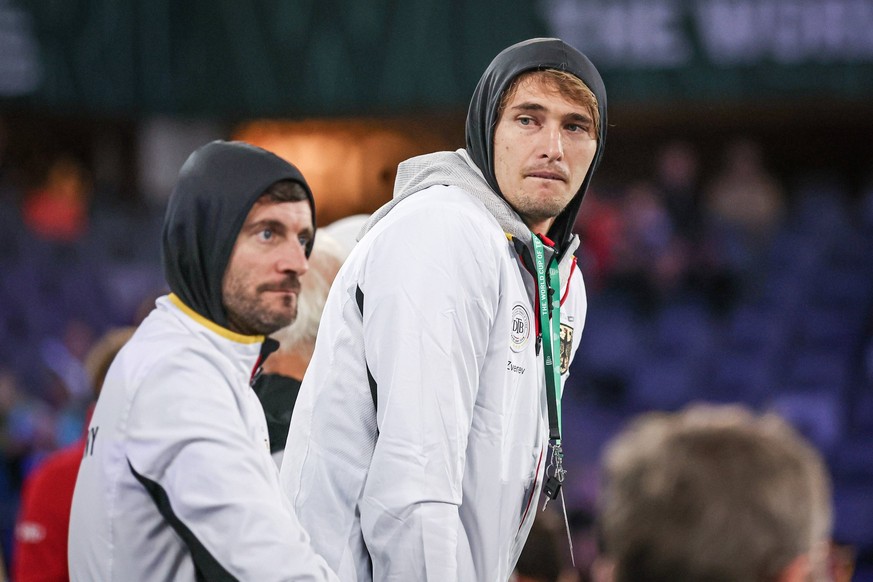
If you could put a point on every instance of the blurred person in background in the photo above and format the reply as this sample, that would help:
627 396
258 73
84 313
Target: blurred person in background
40 551
600 229
745 204
421 436
279 381
177 482
28 428
58 210
713 494
706 272
677 178
649 264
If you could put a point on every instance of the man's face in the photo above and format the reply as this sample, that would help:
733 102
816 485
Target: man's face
262 280
543 147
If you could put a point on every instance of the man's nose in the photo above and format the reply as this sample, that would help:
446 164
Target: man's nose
553 143
292 258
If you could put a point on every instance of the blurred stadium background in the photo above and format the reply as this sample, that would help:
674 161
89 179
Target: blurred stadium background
726 240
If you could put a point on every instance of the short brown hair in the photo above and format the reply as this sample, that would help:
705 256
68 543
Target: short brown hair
565 84
711 494
285 191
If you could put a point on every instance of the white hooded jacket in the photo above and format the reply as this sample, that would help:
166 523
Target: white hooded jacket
177 481
418 442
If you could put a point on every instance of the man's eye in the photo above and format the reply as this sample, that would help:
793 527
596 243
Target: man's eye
266 234
525 120
304 240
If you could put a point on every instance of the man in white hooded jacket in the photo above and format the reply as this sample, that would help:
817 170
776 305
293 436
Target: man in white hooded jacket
176 481
431 408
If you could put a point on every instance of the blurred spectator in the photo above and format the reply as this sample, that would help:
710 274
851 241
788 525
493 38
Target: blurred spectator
283 370
713 493
703 269
28 429
65 385
58 210
599 228
65 357
746 201
677 177
649 260
40 552
27 437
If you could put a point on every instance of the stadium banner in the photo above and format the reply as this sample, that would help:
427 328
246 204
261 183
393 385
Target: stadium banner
707 50
309 58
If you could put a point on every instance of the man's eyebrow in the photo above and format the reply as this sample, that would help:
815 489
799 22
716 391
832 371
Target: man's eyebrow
529 106
266 223
533 106
580 117
278 227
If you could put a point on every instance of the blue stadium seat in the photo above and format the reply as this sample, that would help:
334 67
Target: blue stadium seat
819 415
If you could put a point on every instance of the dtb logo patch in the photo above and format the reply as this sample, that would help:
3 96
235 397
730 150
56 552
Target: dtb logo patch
566 346
520 328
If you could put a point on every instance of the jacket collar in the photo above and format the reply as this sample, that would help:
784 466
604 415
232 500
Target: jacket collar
457 169
242 350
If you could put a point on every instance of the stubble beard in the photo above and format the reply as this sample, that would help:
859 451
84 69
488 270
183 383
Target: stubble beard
535 209
247 313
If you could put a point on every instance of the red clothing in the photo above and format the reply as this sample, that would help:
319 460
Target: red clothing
40 550
55 218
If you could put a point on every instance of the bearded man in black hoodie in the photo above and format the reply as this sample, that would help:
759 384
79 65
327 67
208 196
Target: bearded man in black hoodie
177 482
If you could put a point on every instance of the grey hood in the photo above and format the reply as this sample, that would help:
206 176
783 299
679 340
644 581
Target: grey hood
473 169
457 169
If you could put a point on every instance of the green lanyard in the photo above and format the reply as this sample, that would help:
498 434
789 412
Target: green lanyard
550 328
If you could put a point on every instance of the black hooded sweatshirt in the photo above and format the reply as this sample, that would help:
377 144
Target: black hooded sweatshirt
531 55
216 189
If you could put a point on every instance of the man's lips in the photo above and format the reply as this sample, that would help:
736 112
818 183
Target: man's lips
547 175
280 289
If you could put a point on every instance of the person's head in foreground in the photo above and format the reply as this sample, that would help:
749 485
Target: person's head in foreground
714 494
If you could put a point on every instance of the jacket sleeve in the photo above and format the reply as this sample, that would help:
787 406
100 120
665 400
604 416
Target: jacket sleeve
189 447
430 297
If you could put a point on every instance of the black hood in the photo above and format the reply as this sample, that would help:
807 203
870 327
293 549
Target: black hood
530 55
217 186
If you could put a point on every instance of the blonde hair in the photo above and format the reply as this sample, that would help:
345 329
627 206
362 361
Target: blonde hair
563 83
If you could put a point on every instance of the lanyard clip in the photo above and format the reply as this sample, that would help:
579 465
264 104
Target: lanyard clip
555 473
552 487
